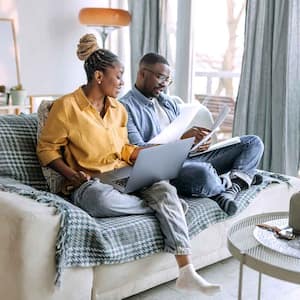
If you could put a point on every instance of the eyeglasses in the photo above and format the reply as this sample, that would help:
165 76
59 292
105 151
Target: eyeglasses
161 78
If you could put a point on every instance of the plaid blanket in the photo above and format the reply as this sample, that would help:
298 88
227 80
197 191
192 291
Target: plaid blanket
18 158
85 241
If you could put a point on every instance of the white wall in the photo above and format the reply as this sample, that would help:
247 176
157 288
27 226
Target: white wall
47 33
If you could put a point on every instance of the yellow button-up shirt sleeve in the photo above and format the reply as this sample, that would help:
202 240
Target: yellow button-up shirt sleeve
75 131
127 151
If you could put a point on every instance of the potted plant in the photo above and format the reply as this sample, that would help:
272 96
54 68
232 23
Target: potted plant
18 95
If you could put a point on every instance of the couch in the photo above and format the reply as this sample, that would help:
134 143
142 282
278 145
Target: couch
38 253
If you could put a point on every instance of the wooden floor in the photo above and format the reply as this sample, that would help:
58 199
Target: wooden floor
226 273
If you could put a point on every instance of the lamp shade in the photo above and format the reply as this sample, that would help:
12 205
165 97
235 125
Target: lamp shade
104 17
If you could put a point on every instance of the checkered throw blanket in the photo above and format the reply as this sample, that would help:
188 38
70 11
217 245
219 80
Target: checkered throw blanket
18 158
85 241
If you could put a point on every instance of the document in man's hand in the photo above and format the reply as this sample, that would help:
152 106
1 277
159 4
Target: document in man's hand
219 120
176 128
223 144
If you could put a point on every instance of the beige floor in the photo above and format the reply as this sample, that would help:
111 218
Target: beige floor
226 273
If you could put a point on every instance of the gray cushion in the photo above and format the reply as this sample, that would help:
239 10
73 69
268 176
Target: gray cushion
18 157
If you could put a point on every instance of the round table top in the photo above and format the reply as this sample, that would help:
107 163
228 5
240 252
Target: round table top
248 250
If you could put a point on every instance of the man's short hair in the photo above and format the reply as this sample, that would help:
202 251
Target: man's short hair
153 58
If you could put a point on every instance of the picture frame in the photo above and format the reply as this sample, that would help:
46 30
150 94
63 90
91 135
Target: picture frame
9 54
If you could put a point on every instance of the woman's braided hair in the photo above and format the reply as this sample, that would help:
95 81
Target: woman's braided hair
95 59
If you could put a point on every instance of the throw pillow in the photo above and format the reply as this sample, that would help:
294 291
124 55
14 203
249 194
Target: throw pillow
54 179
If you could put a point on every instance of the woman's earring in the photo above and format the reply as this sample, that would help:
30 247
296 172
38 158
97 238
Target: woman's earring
99 82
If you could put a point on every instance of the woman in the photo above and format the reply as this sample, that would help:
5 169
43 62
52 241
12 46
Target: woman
86 133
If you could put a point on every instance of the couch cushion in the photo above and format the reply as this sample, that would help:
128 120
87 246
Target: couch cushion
18 157
54 179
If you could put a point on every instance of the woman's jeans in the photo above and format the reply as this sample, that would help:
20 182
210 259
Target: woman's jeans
102 200
199 176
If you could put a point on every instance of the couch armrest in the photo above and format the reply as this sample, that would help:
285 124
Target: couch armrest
28 232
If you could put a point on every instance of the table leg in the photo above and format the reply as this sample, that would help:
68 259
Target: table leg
259 286
241 280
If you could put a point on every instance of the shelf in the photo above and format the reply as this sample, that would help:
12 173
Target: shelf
6 107
14 109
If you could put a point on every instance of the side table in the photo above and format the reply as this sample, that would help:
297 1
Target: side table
244 247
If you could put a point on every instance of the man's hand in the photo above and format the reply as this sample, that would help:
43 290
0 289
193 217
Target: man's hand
199 133
203 147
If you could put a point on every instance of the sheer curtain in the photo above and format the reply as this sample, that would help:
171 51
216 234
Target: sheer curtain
119 44
184 51
144 30
151 30
269 91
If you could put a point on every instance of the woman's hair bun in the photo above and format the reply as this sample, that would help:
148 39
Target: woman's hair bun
87 45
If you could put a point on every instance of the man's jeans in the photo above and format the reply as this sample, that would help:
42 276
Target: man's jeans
199 176
102 200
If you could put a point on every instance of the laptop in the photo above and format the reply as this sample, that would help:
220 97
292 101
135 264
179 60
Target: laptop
153 164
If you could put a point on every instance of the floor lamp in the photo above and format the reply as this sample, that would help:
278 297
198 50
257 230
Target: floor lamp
104 20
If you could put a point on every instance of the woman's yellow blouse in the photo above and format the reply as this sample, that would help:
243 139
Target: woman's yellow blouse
75 132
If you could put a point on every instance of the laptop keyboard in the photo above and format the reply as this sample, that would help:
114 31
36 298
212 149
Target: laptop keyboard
121 181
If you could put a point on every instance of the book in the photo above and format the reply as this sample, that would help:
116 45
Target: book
219 145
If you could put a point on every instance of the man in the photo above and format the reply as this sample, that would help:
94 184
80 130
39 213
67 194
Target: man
150 110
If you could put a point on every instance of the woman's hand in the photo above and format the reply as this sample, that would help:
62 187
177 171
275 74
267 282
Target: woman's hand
135 154
75 178
137 150
78 178
198 133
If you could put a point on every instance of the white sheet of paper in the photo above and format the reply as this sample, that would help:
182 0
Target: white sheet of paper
219 120
177 128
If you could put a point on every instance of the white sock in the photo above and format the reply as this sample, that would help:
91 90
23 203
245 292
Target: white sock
189 279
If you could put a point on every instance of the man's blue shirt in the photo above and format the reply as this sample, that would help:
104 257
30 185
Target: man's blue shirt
143 123
199 175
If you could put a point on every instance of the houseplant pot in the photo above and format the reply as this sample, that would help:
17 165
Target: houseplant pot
18 95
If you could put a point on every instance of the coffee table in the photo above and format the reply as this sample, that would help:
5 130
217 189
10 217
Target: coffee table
244 246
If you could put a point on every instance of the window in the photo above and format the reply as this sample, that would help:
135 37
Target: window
218 31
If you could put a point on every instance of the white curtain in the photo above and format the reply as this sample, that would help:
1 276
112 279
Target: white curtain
269 92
